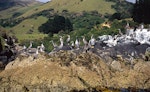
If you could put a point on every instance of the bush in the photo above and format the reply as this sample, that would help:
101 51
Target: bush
87 20
16 14
56 24
115 16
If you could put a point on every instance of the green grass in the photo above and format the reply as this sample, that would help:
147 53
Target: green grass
20 31
74 6
10 11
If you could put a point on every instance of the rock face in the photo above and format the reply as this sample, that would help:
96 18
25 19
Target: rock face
66 71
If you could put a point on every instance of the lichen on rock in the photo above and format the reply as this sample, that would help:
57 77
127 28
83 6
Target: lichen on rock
68 71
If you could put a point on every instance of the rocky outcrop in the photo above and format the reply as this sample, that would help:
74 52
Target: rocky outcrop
66 71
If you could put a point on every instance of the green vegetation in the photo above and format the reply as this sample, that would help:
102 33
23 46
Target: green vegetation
7 13
96 31
74 6
28 29
55 25
87 20
11 10
62 17
123 9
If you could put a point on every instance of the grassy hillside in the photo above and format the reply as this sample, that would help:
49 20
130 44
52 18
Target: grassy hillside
74 6
28 29
26 25
8 13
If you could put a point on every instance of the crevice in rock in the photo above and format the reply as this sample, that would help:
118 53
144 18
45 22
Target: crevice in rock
83 81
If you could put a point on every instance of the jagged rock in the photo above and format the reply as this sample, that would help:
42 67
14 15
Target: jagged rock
66 71
25 62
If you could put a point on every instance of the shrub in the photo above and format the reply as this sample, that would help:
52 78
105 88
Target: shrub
56 24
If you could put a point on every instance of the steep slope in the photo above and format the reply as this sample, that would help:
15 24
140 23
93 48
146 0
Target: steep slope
37 14
28 29
10 7
101 6
4 4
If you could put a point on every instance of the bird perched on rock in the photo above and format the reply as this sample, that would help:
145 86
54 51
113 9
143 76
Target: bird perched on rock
54 44
33 52
92 41
77 43
68 39
35 55
30 46
72 45
84 40
61 42
42 47
142 26
85 43
127 25
120 32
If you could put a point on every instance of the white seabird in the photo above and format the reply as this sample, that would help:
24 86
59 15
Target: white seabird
77 43
61 42
92 41
68 39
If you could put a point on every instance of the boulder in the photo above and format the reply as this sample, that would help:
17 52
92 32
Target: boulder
116 65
